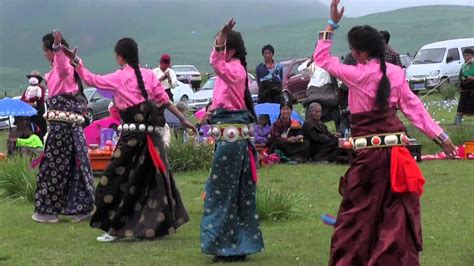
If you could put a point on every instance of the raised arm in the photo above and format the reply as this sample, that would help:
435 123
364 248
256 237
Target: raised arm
322 54
107 82
218 56
60 62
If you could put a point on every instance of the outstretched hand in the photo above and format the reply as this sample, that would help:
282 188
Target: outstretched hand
70 53
189 125
335 13
222 37
449 148
58 37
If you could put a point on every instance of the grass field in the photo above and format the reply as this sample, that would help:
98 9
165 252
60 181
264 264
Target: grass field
447 217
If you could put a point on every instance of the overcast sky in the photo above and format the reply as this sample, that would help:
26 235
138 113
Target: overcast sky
363 7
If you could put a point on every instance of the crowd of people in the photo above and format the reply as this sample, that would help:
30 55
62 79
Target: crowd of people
136 197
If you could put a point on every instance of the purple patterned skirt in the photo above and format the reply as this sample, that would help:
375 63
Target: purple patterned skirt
64 184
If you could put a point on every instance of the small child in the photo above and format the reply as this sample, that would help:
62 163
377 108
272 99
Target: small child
262 129
33 92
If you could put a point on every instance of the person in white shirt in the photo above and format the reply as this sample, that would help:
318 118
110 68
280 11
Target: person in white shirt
319 76
322 89
166 75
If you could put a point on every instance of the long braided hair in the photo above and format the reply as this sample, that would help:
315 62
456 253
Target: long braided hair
128 49
48 41
368 39
235 41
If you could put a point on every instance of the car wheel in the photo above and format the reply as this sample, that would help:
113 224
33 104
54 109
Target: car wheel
90 115
184 98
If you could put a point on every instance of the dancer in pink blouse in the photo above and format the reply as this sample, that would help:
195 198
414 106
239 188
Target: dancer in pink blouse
230 228
64 185
136 196
378 222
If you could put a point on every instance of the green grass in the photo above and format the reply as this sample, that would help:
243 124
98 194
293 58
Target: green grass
447 216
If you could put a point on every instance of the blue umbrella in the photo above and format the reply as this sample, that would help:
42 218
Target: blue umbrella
14 107
273 110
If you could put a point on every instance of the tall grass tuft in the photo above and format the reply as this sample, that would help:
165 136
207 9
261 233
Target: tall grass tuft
17 179
449 91
189 156
277 205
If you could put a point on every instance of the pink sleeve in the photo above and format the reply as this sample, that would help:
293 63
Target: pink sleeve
62 65
349 74
107 82
414 110
158 94
223 70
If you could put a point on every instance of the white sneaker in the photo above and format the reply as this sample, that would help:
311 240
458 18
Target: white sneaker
45 218
106 238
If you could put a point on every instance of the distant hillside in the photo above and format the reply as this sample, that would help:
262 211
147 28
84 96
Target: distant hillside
167 27
157 25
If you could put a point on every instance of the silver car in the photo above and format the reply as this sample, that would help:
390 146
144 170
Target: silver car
97 106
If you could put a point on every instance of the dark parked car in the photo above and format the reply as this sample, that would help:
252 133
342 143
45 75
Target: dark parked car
294 83
97 106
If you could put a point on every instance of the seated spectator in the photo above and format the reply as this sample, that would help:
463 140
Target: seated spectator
22 140
287 136
323 144
92 131
262 129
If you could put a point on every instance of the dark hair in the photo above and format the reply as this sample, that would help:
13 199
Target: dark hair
234 41
128 49
468 51
285 103
367 39
385 36
48 41
268 47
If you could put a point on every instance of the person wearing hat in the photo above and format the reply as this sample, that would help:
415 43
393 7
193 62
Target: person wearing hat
35 95
166 75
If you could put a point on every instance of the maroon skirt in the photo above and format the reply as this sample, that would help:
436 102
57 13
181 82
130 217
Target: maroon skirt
375 226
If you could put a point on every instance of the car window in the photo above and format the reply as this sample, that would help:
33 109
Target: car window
294 70
464 48
429 56
454 54
209 85
88 93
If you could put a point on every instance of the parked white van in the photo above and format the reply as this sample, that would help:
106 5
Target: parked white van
437 61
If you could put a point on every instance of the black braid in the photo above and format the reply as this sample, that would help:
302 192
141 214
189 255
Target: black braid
368 39
128 49
383 91
248 95
235 41
141 85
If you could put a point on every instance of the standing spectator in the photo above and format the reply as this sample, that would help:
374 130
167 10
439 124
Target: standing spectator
166 75
322 88
269 77
35 96
344 97
466 76
391 56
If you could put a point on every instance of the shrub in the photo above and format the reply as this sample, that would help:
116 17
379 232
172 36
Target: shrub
448 91
17 179
277 205
189 156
